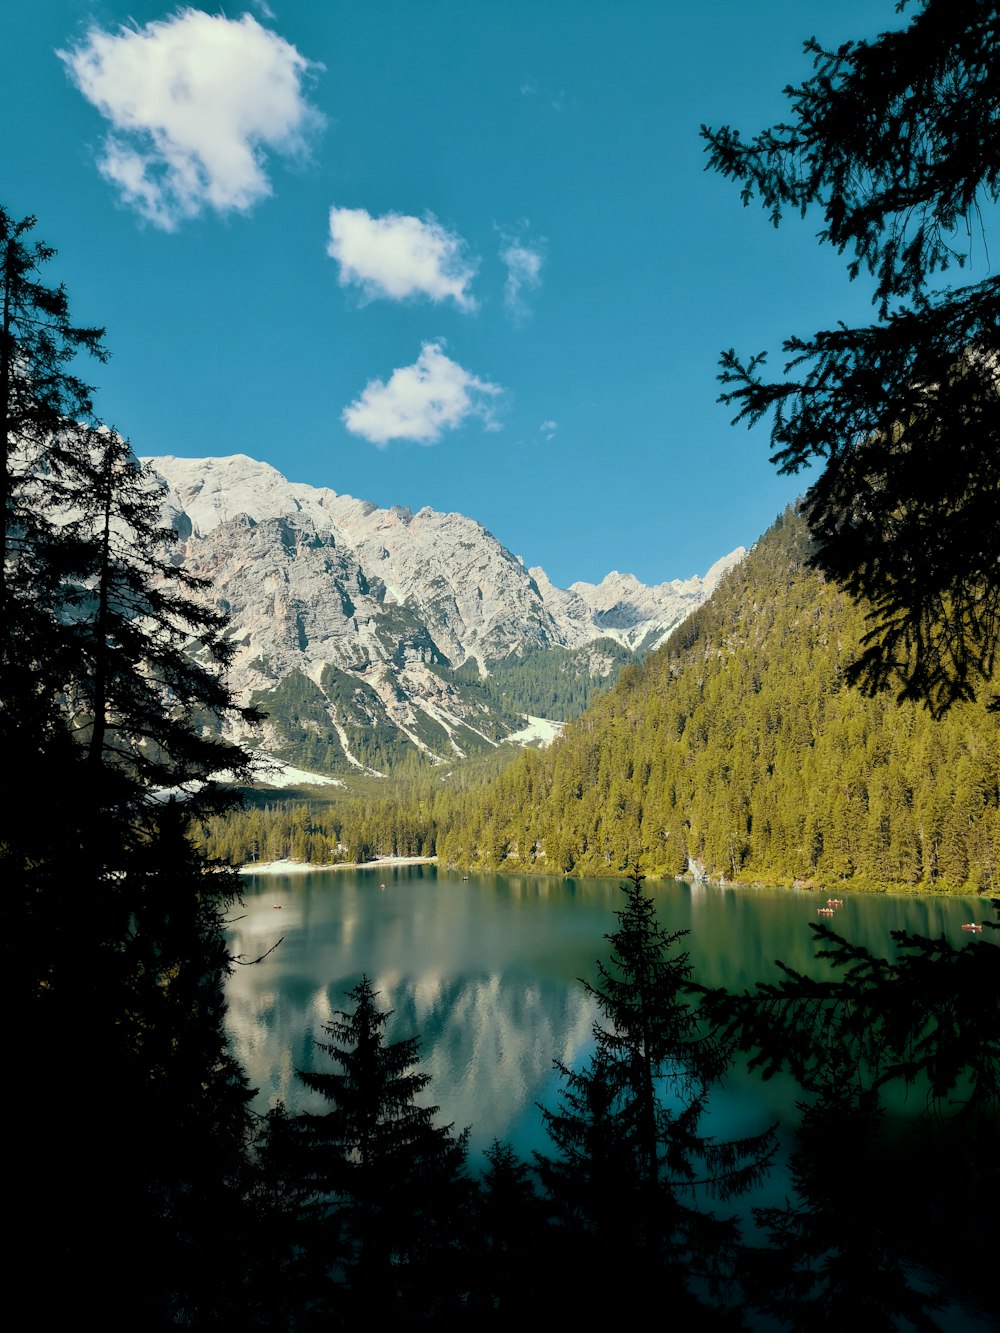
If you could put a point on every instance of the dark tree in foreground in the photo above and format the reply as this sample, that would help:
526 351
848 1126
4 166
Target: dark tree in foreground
633 1167
130 1108
893 142
389 1186
46 427
508 1256
836 1256
894 1168
140 693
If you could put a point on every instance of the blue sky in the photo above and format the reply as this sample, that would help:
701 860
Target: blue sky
457 253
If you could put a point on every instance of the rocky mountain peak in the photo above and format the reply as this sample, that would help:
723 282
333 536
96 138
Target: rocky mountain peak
352 619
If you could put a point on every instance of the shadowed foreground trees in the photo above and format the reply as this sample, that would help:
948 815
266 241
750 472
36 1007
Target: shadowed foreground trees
879 1217
130 1114
633 1167
893 1167
892 143
388 1189
372 1211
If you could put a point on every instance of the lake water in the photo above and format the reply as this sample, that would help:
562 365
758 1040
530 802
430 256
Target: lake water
486 971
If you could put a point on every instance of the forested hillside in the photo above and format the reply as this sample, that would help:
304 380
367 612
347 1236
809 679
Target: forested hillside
318 725
738 747
555 683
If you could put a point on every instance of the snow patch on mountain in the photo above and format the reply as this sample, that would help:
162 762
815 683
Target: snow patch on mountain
368 608
273 773
540 731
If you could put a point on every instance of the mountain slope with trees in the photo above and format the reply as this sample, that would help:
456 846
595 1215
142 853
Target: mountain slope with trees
739 750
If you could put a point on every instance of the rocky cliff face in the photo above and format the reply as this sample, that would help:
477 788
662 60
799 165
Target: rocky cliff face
351 622
621 608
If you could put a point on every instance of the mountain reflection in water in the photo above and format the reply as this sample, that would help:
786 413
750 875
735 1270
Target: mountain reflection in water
487 971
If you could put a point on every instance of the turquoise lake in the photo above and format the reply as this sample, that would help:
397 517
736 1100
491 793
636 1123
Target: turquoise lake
486 971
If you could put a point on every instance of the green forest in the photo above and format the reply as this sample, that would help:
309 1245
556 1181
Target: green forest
738 751
739 748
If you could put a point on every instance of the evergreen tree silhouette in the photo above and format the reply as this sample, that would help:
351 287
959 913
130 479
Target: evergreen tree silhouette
136 686
508 1253
869 1235
632 1160
109 674
891 141
389 1186
46 427
836 1254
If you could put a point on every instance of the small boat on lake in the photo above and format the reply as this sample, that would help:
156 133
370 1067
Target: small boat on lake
972 925
824 911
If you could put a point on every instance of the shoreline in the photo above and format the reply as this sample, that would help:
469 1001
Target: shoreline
288 867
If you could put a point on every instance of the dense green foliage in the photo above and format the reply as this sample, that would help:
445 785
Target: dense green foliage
739 747
365 817
355 827
556 683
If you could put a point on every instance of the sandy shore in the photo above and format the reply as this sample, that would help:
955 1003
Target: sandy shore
306 867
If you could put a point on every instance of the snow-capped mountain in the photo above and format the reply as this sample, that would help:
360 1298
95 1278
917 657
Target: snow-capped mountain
350 621
632 613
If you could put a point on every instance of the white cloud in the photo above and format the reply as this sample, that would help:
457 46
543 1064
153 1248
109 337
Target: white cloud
549 428
399 256
559 101
421 401
524 274
195 103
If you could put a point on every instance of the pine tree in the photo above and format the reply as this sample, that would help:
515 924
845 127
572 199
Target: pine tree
144 694
593 1178
46 427
115 957
507 1253
389 1184
177 1101
835 1256
892 142
631 1156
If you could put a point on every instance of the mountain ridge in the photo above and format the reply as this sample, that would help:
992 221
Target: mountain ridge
348 619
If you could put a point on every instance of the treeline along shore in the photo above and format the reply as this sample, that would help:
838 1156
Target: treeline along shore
737 747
